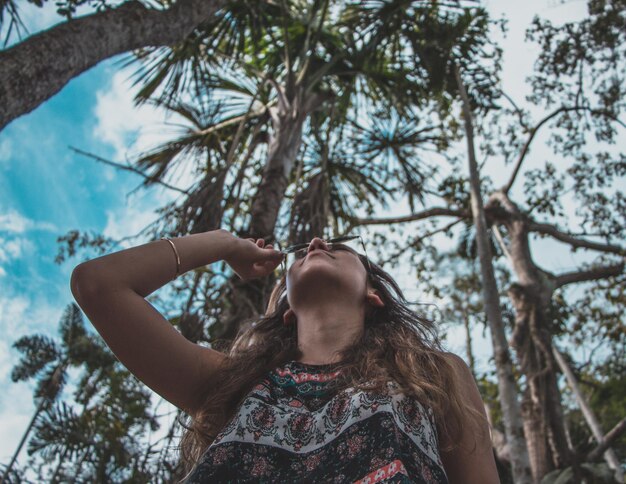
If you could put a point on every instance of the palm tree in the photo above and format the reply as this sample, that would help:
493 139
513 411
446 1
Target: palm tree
105 438
48 361
259 82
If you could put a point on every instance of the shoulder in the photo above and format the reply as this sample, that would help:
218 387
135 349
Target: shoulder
461 370
471 461
464 379
454 359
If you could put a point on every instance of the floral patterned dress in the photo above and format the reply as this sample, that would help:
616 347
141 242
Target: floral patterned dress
292 428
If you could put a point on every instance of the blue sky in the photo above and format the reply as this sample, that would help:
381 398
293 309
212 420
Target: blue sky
47 190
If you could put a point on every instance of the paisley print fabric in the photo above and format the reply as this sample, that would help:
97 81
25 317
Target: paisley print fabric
293 428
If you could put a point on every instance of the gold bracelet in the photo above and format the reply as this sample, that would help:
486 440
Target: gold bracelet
177 256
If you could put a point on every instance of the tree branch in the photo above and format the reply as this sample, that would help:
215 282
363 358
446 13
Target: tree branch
608 439
533 132
126 167
548 229
431 212
517 109
418 240
589 275
234 120
35 69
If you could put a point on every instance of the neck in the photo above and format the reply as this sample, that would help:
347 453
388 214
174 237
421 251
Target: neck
324 330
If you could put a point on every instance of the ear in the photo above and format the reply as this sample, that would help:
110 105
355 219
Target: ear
289 317
374 299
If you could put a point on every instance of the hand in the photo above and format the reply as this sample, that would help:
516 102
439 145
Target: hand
251 260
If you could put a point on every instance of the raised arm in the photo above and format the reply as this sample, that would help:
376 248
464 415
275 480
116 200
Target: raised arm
111 291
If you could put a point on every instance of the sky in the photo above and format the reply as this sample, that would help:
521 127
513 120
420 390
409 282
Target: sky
47 190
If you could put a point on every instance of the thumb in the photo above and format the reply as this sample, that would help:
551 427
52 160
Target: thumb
270 254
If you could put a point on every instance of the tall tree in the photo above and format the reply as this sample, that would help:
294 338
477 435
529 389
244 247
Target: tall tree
47 361
245 80
508 392
283 71
579 77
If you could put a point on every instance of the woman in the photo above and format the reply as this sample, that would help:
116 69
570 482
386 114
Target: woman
338 382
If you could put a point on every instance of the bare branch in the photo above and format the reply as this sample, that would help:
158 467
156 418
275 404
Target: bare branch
533 132
431 212
418 240
126 167
587 411
548 229
608 439
518 110
594 274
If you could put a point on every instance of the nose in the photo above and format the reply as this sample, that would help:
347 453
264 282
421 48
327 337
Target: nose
317 243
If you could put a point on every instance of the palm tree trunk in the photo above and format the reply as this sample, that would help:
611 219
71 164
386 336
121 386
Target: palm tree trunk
506 382
38 67
40 407
250 297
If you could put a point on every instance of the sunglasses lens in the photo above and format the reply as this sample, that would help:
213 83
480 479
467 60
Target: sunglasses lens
353 245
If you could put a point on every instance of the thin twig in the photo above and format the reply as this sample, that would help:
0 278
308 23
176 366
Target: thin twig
126 167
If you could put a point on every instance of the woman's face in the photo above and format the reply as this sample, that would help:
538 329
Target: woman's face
323 272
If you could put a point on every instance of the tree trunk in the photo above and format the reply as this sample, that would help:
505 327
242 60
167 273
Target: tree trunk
468 343
506 382
38 67
248 298
532 339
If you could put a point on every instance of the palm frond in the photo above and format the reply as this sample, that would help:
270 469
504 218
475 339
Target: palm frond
10 9
58 429
38 351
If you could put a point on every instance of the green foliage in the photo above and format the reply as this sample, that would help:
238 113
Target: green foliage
372 84
101 440
38 351
591 473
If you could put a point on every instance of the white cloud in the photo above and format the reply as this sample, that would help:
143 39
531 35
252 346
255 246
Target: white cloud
121 124
15 222
128 221
134 130
14 249
18 245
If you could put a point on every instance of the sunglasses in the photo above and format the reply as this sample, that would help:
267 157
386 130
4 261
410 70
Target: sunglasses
301 250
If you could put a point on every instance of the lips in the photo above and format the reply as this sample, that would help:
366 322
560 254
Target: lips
314 252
